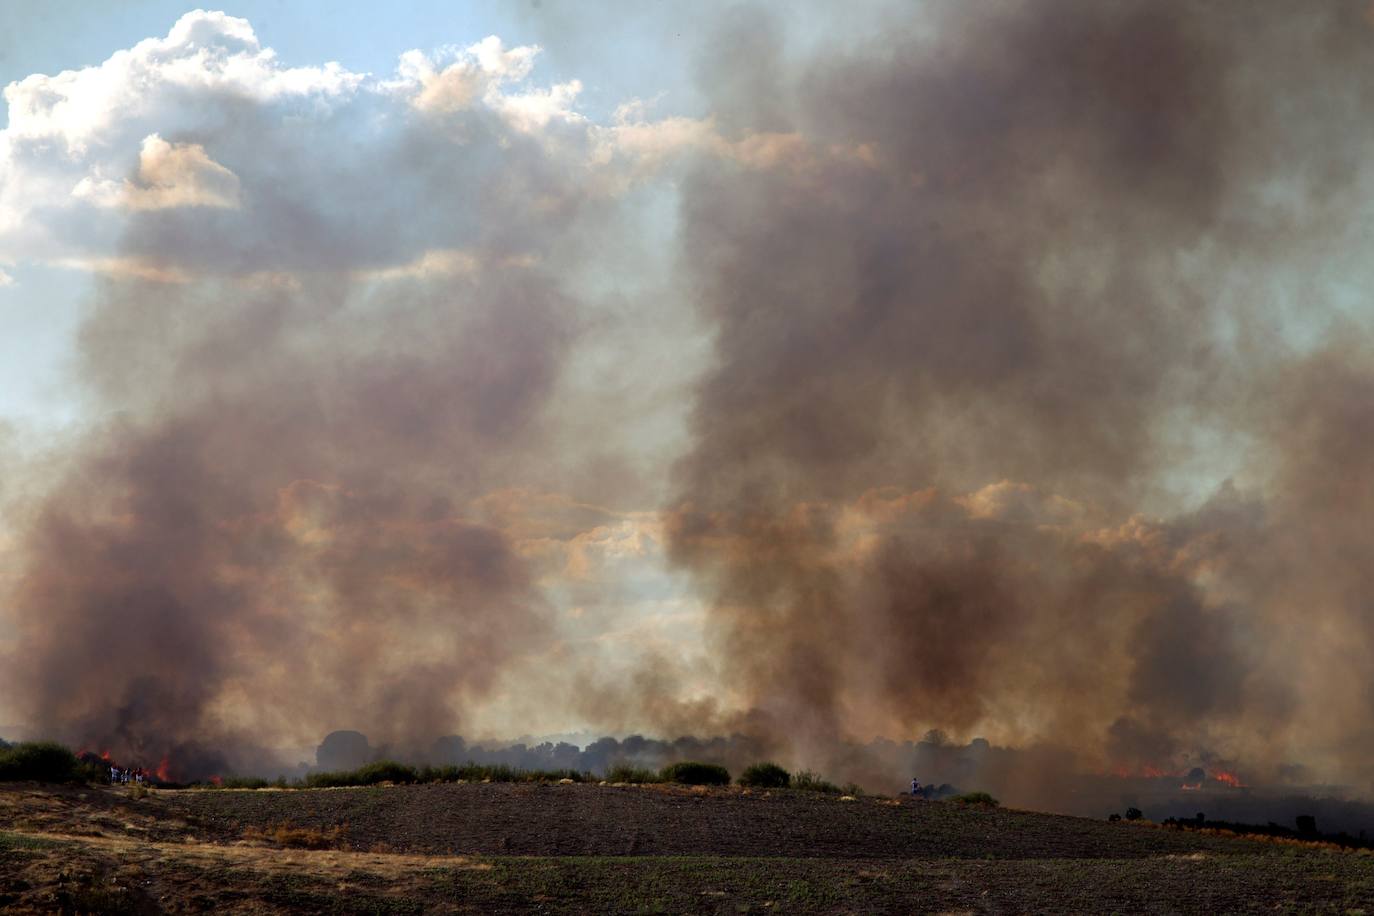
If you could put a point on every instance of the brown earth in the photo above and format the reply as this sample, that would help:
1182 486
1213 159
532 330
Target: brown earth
658 820
598 849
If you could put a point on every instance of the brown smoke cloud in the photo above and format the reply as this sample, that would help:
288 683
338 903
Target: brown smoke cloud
271 532
993 293
962 335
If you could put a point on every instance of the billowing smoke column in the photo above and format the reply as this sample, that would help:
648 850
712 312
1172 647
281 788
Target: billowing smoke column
303 380
1015 270
1039 403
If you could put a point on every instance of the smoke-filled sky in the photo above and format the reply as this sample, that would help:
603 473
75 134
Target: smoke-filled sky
735 368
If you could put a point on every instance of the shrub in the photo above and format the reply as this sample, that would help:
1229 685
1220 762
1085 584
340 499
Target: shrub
243 782
370 775
623 772
808 781
44 761
468 772
90 768
1113 817
330 778
692 773
981 799
386 771
765 776
1133 814
391 771
499 772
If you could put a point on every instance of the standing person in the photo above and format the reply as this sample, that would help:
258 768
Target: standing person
915 787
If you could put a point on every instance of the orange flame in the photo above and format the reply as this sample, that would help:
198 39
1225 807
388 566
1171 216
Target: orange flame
1151 772
1230 779
163 769
217 780
1191 786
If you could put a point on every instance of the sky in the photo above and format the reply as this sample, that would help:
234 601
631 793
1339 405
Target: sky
804 373
37 36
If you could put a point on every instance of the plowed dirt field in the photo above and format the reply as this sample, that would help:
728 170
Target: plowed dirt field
485 848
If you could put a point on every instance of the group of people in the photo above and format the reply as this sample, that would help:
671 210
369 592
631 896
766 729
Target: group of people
124 776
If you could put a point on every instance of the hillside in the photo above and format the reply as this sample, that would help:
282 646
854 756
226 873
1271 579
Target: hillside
587 848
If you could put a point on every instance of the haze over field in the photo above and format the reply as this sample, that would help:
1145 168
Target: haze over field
1004 369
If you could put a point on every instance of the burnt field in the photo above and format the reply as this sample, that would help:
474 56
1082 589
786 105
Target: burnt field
587 848
576 820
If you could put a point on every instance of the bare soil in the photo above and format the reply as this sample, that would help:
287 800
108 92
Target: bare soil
603 849
659 820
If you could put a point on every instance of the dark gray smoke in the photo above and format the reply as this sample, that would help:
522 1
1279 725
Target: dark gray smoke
1038 404
271 527
1023 266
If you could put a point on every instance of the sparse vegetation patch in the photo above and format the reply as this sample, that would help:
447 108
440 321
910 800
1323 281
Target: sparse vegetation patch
624 772
389 771
693 773
290 836
808 781
977 799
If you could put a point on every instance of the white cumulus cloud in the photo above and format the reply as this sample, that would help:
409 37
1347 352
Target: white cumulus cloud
142 131
169 175
208 53
471 75
202 153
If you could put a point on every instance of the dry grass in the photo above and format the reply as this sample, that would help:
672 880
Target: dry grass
288 836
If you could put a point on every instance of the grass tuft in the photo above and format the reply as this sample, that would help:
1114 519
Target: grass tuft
289 836
807 781
624 772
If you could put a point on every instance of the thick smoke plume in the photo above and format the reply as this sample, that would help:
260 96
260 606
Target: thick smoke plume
1018 268
1027 379
302 392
